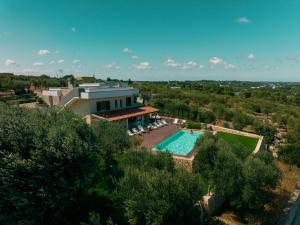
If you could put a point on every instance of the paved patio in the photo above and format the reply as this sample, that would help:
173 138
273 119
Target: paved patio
156 136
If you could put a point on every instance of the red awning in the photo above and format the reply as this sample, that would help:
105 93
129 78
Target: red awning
128 113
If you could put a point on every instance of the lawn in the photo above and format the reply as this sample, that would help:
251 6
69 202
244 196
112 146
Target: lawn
233 139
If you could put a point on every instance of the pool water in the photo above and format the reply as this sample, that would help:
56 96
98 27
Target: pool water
180 143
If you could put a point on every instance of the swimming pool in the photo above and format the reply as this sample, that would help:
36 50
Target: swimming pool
180 143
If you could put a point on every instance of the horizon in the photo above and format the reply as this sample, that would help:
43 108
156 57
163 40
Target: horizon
208 40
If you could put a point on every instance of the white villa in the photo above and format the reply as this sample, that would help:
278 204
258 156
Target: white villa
94 101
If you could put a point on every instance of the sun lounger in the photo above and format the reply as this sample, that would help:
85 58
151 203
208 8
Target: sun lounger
157 124
136 131
129 133
141 128
164 122
175 121
160 123
153 126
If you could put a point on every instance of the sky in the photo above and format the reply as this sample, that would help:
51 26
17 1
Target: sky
254 40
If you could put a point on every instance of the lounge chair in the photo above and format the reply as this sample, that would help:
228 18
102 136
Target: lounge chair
136 131
129 133
153 126
141 129
160 122
175 121
157 124
157 117
164 122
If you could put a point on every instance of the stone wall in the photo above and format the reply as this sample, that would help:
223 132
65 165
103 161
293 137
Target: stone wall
213 202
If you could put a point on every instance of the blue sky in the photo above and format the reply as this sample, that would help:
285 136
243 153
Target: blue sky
153 39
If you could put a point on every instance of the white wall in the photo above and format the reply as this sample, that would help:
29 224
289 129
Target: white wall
93 103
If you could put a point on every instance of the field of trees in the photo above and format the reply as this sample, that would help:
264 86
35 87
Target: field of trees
56 169
268 109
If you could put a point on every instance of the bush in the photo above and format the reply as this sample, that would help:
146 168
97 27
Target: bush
244 180
194 125
47 162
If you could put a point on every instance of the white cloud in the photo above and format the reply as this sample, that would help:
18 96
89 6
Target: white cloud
9 62
143 66
171 63
60 61
52 62
76 61
189 65
186 65
73 29
126 50
216 61
251 56
134 57
38 64
243 20
43 52
112 66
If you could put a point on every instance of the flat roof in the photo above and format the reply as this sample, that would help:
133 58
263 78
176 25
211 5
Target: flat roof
102 89
128 113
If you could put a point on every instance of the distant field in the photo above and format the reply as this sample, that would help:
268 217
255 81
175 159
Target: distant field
234 139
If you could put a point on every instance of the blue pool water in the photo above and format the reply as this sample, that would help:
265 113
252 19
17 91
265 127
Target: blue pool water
180 143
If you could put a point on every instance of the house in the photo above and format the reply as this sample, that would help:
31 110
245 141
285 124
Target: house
111 101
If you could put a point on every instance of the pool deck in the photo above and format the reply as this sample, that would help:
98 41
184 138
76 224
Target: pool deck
156 136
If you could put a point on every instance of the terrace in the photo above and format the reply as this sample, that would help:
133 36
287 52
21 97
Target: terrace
170 138
156 136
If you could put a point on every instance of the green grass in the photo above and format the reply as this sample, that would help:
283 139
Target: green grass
233 139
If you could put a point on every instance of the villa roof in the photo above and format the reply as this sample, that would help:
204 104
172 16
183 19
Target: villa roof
128 113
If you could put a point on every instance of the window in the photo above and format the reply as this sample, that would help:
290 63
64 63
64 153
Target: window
102 106
128 101
116 104
121 103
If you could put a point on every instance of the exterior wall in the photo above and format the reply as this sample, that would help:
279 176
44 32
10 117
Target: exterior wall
81 107
85 107
108 93
93 103
51 100
213 202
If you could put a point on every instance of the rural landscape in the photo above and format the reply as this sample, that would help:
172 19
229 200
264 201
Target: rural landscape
46 153
149 112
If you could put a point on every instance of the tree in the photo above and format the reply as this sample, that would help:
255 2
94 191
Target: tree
94 219
204 160
111 139
290 154
158 194
260 176
226 175
46 164
267 131
245 181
